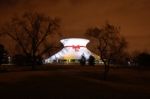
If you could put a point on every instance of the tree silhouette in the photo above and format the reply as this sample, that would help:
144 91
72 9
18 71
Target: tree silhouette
110 42
30 32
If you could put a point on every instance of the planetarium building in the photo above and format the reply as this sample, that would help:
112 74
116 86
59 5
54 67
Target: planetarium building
74 49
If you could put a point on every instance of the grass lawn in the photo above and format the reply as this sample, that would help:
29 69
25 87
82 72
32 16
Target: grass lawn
74 82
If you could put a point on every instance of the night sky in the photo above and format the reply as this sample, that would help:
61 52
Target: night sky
133 16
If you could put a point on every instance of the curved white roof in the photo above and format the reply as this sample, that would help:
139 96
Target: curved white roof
74 41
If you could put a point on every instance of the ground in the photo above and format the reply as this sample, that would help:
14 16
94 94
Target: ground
74 82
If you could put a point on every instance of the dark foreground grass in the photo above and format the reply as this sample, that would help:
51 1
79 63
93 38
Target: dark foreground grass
75 82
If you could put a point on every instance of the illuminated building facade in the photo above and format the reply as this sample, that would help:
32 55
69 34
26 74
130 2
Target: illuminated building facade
73 49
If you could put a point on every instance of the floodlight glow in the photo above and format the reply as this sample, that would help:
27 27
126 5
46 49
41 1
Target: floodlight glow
74 48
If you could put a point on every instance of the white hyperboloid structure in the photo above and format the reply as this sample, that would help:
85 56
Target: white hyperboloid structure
74 49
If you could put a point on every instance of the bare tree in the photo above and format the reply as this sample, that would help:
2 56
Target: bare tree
110 43
30 31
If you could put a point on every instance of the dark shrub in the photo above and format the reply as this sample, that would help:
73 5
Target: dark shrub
26 60
3 55
19 59
143 59
83 60
91 60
